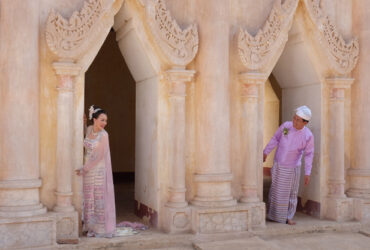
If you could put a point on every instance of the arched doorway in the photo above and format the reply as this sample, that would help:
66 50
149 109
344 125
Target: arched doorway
297 82
109 84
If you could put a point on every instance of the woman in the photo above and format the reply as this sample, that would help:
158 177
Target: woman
99 212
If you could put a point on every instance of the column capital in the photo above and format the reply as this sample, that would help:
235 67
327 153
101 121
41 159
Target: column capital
250 82
339 82
66 68
177 78
337 85
179 75
252 78
65 72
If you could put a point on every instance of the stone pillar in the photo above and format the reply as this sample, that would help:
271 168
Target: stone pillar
250 85
19 101
339 207
213 174
67 217
359 174
66 73
177 84
23 219
178 214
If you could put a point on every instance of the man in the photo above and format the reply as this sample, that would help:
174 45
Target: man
292 139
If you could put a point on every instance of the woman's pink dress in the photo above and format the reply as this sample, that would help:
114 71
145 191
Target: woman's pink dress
99 205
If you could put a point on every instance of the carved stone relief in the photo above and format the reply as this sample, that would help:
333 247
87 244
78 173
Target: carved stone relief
256 51
178 46
342 55
70 39
223 222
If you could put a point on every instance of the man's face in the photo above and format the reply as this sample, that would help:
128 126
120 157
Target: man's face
298 122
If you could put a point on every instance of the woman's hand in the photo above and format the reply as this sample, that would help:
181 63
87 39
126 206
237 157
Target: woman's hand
79 172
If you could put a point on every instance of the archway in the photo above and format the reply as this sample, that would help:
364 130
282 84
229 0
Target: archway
109 84
300 85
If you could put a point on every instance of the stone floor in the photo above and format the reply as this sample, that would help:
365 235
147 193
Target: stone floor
309 233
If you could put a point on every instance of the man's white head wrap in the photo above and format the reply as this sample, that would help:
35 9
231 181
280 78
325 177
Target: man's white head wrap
304 112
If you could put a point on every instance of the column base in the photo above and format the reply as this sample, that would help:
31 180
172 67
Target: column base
249 199
176 204
22 211
362 209
339 209
241 217
28 232
66 227
213 190
61 209
204 203
177 220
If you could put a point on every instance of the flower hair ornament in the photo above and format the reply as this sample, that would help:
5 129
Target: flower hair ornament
92 111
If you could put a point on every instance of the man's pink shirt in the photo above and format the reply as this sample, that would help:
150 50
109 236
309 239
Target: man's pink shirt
291 146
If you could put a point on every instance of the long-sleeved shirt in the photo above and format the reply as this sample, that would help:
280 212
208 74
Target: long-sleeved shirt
292 143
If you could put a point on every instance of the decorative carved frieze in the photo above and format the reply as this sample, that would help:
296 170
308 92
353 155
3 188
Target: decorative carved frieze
71 38
342 55
256 51
178 46
223 222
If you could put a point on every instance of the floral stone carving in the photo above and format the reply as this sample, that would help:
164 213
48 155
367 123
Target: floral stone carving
256 51
342 56
178 46
71 38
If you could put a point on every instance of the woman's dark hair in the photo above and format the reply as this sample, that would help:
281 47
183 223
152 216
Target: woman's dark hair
99 112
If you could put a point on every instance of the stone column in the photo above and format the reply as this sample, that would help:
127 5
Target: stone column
339 207
19 104
177 211
213 174
359 174
66 73
177 84
66 216
250 85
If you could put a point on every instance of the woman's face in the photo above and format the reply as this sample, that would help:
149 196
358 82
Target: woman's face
101 121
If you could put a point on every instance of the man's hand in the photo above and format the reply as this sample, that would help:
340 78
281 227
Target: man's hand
306 179
264 157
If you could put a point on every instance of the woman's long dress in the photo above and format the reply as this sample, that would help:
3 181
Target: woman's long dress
99 204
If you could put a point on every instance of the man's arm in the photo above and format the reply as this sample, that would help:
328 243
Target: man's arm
309 153
273 142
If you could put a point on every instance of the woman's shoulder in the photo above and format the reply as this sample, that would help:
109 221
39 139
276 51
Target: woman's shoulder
104 133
